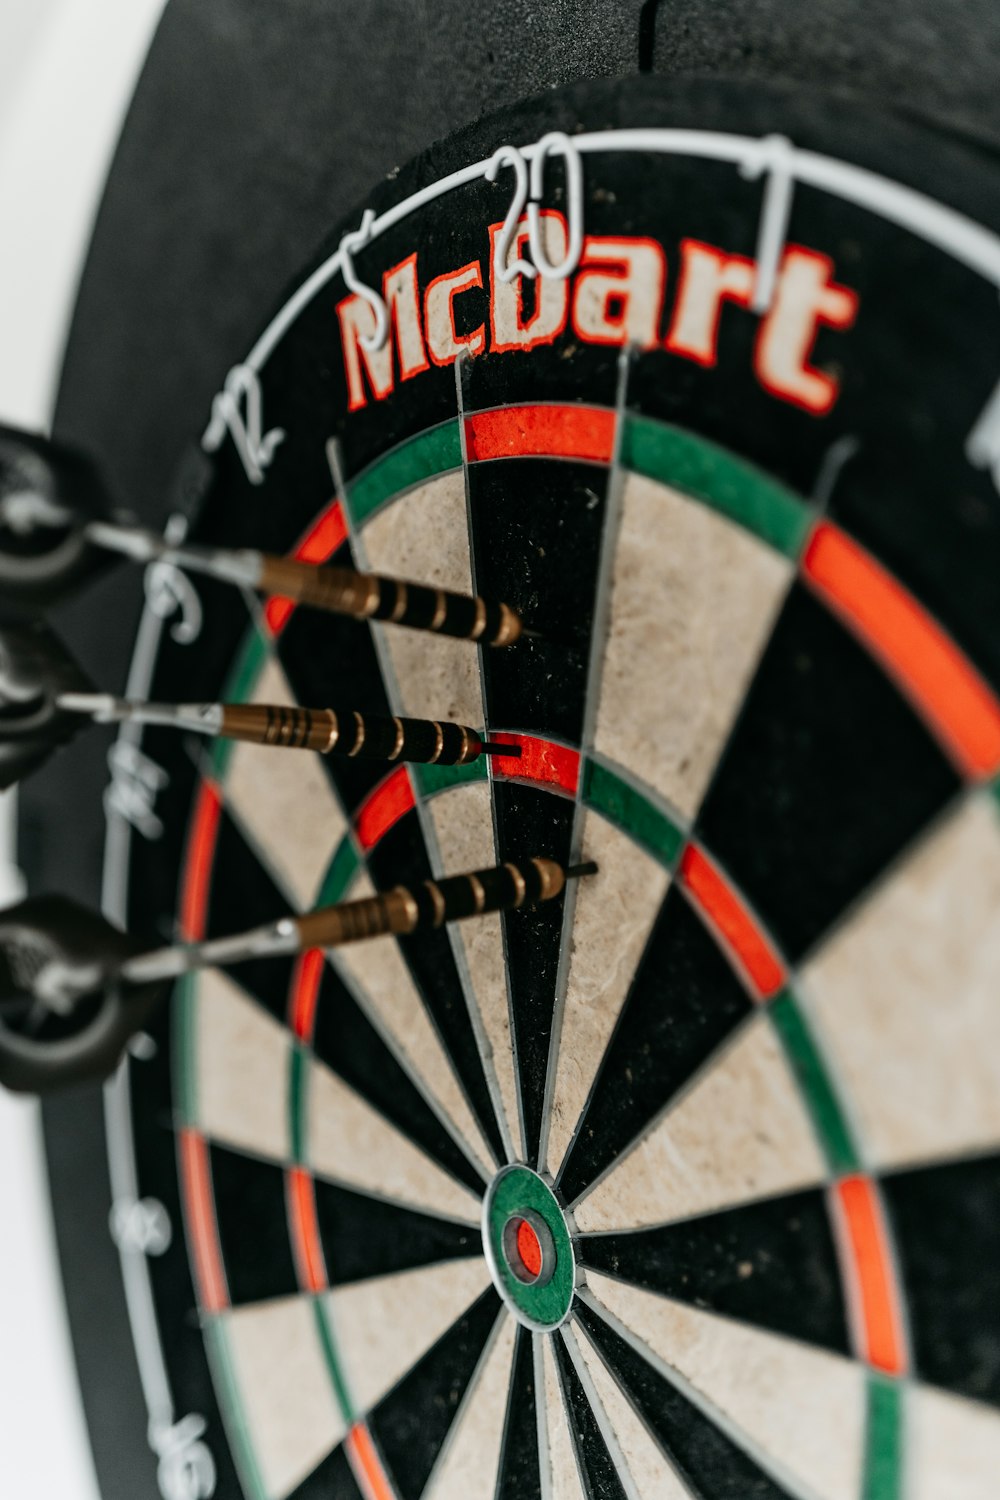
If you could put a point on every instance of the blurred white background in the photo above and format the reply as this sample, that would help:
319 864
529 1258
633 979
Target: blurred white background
67 71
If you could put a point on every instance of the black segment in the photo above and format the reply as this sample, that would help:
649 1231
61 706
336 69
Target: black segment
327 657
251 1210
947 1221
347 1042
410 1425
685 1000
708 1461
400 858
365 1237
600 1476
330 1480
827 776
536 532
242 896
772 1264
519 1473
530 822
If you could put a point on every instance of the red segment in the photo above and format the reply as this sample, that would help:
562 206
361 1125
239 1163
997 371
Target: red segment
391 800
203 1231
198 864
586 432
732 923
309 1260
305 993
870 1273
540 761
327 533
366 1464
529 1249
946 689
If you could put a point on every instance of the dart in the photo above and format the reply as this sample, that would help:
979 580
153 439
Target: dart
398 912
56 523
326 730
67 968
341 591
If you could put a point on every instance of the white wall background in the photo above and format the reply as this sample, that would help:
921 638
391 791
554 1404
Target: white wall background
67 70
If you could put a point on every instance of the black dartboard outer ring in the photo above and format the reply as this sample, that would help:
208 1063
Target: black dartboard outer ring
771 863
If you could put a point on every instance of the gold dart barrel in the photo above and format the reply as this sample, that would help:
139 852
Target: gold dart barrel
349 732
371 596
404 910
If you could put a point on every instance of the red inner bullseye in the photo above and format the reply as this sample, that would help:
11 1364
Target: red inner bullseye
529 1249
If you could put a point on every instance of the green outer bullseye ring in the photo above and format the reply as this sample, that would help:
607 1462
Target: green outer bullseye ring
539 1306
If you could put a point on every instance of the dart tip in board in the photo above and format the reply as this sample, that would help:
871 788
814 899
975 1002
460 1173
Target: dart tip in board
495 747
589 867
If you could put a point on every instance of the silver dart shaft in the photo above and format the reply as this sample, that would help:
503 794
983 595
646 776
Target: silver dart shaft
275 938
104 708
242 567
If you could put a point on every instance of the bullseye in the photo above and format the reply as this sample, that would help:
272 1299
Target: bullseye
528 1248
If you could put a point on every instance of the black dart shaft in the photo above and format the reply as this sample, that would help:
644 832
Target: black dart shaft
326 730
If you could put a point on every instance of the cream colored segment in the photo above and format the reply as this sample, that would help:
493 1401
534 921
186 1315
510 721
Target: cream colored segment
612 921
741 1132
692 604
654 1477
953 1447
472 1458
803 1409
353 1144
241 1069
283 801
463 826
285 1390
424 538
381 976
564 1475
904 997
383 1326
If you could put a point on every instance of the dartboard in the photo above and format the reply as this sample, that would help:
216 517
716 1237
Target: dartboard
685 1184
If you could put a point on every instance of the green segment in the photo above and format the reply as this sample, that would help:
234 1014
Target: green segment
185 1005
884 1447
237 1427
433 779
606 793
729 485
814 1081
332 1361
514 1190
421 458
238 688
298 1083
341 871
